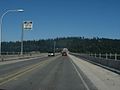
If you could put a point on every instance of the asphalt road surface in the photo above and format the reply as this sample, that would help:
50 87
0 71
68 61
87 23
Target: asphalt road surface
49 73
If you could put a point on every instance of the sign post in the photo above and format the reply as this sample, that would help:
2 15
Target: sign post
27 25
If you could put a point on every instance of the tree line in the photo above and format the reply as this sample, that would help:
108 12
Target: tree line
74 44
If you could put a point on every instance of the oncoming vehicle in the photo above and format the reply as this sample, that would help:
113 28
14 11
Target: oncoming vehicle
51 54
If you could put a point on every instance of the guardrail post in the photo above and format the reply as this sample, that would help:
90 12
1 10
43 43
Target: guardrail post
99 55
7 53
115 56
2 59
110 55
106 56
95 55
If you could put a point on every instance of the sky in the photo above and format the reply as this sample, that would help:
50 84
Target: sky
61 18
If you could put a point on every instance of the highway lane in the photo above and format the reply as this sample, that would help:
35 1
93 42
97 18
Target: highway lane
52 73
13 67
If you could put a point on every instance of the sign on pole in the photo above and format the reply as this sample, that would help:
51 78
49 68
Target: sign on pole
27 25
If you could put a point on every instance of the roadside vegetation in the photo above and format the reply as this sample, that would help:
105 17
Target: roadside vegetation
74 44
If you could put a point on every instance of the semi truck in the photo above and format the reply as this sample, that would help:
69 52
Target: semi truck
64 52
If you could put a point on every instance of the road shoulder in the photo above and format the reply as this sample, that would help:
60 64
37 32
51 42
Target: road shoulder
103 79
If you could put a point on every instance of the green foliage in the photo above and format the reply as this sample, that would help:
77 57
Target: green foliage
74 44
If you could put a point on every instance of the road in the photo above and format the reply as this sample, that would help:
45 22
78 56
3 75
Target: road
48 73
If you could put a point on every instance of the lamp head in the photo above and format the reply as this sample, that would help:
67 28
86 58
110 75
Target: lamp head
20 10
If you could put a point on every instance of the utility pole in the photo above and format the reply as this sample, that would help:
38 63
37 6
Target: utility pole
54 46
22 32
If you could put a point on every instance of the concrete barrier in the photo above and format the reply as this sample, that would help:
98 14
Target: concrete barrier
17 57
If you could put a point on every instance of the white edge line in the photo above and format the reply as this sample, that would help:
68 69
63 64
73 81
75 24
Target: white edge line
80 76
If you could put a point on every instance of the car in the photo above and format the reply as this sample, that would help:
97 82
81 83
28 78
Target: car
51 54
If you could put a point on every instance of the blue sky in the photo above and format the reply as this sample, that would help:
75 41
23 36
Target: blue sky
62 18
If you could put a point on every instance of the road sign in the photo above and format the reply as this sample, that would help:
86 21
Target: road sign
27 25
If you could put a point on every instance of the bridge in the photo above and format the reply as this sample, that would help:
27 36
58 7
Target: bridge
72 72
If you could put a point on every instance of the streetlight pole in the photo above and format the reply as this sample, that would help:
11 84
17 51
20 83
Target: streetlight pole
1 20
54 46
22 41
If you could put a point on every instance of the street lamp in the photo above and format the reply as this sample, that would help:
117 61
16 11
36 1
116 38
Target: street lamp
1 20
54 46
20 10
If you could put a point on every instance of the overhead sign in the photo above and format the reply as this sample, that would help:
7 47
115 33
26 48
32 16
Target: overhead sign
27 25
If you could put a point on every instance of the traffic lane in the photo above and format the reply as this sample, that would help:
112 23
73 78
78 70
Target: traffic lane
11 83
59 74
13 67
22 76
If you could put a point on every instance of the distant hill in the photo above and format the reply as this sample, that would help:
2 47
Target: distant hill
74 44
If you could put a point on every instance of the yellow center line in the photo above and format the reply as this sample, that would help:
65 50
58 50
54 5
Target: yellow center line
22 72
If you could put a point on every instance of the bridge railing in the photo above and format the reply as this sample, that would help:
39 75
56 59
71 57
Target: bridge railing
19 53
109 61
114 56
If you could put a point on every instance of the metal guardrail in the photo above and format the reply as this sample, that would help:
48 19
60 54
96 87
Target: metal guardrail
114 56
6 55
103 60
18 53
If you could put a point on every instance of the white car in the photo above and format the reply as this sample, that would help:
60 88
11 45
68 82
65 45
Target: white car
51 54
